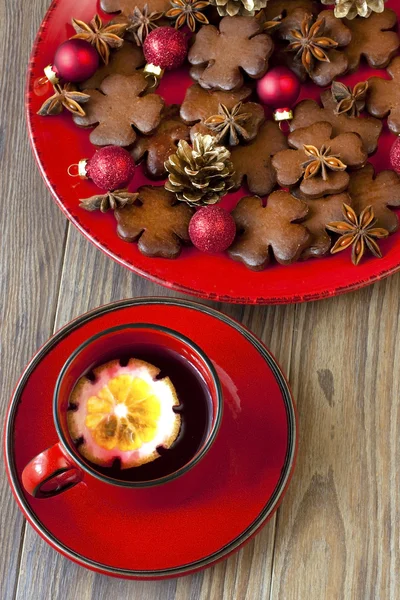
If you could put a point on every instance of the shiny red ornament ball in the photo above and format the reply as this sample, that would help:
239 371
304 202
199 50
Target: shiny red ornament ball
110 168
394 156
165 47
212 229
75 60
280 87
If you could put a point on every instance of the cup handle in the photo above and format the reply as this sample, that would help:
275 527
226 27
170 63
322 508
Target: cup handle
50 473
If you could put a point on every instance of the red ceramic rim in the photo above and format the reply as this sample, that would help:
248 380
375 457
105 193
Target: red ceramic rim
212 277
269 508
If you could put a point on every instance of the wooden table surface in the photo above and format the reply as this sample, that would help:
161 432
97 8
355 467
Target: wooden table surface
336 534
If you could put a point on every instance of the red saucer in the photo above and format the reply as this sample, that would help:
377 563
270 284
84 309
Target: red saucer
195 520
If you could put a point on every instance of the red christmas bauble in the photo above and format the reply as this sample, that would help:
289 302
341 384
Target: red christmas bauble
394 156
75 60
110 168
165 47
212 229
280 87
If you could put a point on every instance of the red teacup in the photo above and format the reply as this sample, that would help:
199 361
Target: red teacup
60 467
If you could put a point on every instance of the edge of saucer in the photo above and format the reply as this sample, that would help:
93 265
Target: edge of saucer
225 551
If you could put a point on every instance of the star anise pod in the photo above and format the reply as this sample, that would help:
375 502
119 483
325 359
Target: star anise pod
351 101
187 11
271 25
64 97
103 37
321 160
358 232
227 125
140 23
113 200
309 42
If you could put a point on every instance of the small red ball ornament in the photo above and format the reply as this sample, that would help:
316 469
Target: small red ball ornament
279 89
75 60
110 168
212 229
394 156
165 48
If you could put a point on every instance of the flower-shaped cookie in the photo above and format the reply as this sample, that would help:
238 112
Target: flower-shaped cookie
372 39
128 6
380 192
272 17
253 161
321 212
319 162
263 231
285 8
383 99
124 61
308 112
117 107
157 220
201 105
313 43
219 56
161 143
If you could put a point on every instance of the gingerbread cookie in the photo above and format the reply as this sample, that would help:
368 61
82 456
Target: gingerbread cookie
162 143
383 99
199 104
253 162
315 44
117 107
319 163
123 61
224 113
220 55
380 192
263 231
128 6
274 14
285 8
321 212
157 221
308 112
372 39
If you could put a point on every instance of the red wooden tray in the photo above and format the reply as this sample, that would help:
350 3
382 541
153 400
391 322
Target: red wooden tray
58 143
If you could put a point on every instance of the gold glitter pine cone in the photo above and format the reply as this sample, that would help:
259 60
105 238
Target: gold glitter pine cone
247 8
350 9
200 174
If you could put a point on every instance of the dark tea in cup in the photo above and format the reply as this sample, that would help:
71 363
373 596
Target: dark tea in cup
149 412
134 406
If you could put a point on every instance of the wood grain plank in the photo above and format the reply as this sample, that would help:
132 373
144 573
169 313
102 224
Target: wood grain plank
90 279
30 262
338 530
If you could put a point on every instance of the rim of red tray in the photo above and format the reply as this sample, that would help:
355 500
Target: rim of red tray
264 515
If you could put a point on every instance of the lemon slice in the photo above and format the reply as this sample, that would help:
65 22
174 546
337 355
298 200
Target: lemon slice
124 413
